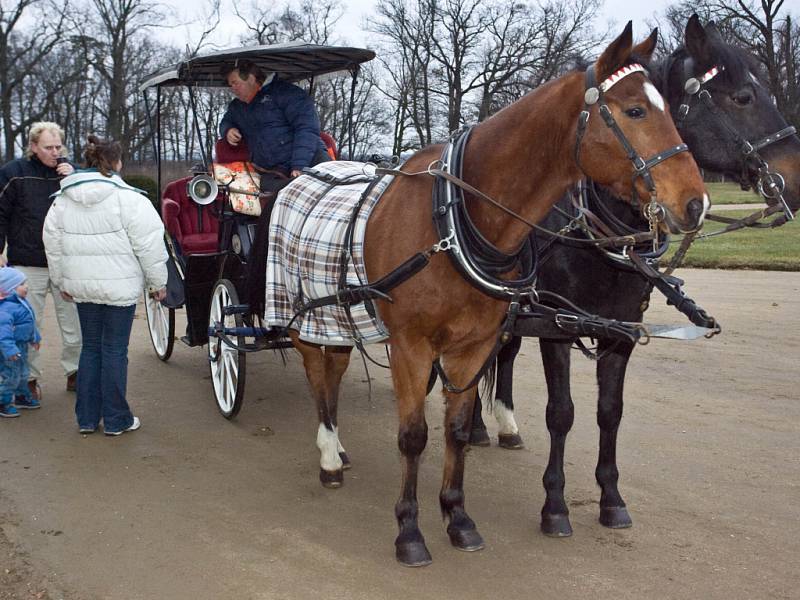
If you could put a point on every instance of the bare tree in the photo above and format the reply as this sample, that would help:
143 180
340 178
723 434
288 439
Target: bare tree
21 55
122 57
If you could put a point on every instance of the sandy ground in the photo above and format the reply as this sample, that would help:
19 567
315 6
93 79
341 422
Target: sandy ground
193 506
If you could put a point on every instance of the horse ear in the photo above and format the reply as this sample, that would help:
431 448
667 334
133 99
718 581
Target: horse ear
615 55
697 42
646 48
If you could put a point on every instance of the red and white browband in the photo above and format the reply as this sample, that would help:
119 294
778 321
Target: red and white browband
709 75
618 75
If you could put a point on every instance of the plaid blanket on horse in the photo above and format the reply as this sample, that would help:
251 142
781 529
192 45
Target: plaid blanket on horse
306 240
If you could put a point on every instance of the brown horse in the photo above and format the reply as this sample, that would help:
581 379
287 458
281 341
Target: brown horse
525 157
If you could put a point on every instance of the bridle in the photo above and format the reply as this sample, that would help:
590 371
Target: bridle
594 94
770 184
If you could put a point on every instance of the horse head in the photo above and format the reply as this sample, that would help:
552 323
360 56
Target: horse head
725 112
635 147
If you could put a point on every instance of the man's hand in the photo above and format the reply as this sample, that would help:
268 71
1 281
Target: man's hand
296 173
234 136
66 296
159 295
15 357
65 169
36 345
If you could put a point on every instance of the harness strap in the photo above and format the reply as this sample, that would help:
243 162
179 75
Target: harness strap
504 335
670 287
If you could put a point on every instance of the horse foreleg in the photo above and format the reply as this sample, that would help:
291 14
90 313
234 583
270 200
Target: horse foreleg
560 415
315 363
508 433
410 373
458 423
611 380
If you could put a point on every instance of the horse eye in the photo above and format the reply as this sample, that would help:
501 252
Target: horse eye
743 97
637 112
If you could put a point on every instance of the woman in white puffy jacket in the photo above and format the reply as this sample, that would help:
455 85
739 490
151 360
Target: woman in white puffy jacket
104 243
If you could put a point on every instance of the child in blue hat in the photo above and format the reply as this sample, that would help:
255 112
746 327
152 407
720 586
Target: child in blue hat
17 332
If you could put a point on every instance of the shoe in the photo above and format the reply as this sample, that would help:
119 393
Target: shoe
35 389
8 411
86 430
26 403
136 424
72 382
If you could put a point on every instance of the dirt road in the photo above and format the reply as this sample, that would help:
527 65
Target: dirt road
195 507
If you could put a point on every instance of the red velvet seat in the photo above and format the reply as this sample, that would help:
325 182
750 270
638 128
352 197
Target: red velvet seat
191 225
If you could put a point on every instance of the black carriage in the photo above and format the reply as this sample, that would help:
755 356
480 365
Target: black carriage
208 241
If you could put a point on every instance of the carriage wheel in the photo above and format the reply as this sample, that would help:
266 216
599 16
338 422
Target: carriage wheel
227 364
161 323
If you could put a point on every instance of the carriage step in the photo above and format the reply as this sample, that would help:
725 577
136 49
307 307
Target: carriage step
235 309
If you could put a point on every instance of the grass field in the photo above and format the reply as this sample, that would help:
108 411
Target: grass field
763 249
731 193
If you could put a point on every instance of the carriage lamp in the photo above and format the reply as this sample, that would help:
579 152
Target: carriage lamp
203 189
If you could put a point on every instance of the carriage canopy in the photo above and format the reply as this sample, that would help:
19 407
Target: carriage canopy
294 61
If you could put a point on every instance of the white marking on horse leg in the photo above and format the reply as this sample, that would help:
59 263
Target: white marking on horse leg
328 444
653 95
706 205
505 419
339 447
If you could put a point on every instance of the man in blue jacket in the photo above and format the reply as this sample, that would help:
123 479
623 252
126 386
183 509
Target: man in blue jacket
276 119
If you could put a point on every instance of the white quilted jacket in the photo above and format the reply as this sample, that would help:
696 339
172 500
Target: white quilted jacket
104 240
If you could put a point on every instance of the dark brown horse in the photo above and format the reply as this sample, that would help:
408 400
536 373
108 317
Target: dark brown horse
525 158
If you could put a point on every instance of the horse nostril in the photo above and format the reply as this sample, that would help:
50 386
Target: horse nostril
695 210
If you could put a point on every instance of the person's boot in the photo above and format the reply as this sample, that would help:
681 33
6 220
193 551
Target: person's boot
72 382
35 389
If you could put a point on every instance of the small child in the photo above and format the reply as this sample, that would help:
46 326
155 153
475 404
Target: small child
17 331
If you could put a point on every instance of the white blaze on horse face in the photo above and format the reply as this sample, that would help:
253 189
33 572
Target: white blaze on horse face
505 418
653 95
328 444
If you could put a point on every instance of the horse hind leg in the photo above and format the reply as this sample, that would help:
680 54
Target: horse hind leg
611 379
337 359
322 371
508 436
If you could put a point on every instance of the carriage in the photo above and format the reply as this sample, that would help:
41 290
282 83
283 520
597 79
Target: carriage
210 217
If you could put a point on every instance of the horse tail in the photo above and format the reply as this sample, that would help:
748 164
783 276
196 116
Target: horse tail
256 282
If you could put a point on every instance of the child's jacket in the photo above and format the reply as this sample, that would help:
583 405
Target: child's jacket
17 326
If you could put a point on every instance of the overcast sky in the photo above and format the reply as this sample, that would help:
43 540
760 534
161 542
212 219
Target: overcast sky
616 12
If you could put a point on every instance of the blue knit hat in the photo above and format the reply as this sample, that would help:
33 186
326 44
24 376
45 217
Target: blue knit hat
10 279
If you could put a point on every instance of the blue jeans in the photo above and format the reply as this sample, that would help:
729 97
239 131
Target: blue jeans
14 378
103 366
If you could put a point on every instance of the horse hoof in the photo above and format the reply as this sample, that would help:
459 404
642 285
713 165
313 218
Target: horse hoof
331 479
467 540
479 437
556 525
615 517
345 461
510 441
413 554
